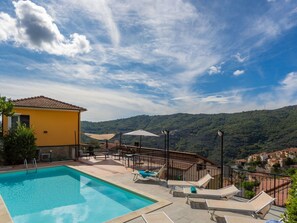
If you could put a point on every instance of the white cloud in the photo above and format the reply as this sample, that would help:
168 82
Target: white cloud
8 27
35 29
289 83
283 95
99 11
271 24
214 70
238 72
136 78
102 103
108 104
239 58
219 99
159 33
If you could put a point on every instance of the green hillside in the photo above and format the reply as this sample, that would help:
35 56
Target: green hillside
245 133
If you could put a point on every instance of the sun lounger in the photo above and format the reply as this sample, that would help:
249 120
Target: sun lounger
258 206
148 174
156 217
236 219
202 183
222 193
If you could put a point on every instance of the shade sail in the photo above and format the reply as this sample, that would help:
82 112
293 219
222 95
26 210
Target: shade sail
100 136
141 133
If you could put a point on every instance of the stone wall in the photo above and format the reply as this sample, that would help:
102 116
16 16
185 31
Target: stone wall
57 153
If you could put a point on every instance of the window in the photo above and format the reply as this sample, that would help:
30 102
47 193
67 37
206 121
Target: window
25 119
15 119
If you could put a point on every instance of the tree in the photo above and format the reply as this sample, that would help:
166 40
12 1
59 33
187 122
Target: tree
290 215
6 106
275 168
19 144
289 162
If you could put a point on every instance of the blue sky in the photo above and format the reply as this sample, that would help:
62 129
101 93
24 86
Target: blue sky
124 58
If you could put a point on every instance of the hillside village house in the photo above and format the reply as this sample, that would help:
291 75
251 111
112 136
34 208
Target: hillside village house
56 125
273 158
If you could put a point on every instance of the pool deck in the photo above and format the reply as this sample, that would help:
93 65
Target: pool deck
175 207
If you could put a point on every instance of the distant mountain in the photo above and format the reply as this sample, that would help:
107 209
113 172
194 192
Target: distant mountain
245 132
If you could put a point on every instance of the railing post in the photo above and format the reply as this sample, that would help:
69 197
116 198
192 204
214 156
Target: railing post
133 158
274 184
231 175
171 168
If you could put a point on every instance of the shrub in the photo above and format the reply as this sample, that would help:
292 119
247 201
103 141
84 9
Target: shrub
291 171
290 215
249 188
249 194
248 185
19 144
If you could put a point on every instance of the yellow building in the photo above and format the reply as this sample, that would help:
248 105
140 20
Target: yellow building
56 124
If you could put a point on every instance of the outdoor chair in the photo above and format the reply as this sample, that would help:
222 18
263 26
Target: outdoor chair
101 153
83 153
117 155
156 217
222 193
236 219
202 183
144 174
258 206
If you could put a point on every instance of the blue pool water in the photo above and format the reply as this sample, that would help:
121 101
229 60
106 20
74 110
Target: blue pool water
64 195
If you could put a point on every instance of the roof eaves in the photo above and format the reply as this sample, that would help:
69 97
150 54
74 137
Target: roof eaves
71 106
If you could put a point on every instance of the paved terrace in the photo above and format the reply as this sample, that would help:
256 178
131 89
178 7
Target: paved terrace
178 210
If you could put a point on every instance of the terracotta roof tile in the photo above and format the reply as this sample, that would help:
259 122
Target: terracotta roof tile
45 102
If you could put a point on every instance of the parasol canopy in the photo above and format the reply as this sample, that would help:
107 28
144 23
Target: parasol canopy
140 133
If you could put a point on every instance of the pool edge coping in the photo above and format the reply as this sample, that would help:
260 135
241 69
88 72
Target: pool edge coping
4 213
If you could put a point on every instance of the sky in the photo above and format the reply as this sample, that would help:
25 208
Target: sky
125 58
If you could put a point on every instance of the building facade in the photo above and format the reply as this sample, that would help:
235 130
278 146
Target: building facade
56 125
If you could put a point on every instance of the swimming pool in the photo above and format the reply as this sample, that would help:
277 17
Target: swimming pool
62 194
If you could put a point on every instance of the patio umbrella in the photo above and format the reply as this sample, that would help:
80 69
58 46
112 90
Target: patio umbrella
141 133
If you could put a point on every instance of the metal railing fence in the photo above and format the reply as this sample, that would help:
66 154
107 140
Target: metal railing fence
249 183
186 166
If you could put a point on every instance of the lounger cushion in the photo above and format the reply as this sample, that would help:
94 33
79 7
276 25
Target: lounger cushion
193 190
226 192
145 173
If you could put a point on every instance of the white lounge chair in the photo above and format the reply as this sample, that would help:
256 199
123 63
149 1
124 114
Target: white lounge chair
236 219
258 206
148 174
222 193
202 183
156 217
